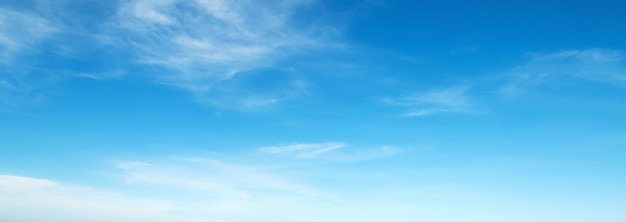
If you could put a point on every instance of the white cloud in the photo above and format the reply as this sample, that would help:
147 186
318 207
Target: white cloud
207 190
51 201
432 102
598 65
173 189
183 189
21 32
212 176
34 199
304 150
187 190
211 48
198 45
16 183
332 151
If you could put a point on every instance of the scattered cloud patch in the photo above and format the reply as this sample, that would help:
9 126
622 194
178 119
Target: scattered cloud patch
304 150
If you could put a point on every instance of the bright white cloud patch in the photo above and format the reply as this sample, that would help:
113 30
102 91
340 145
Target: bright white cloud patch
304 150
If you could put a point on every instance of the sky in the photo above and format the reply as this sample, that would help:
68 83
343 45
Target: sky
312 110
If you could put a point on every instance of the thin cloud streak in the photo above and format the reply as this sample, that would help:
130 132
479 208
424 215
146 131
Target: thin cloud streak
451 100
542 70
332 152
304 150
596 65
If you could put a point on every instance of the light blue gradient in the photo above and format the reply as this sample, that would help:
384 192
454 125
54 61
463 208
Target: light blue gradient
372 111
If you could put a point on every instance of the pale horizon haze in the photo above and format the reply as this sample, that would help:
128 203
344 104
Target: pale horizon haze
312 111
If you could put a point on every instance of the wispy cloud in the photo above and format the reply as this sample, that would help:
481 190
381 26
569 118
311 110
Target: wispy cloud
45 42
200 189
332 151
215 177
304 150
177 189
167 189
202 45
21 196
21 32
598 65
214 49
437 101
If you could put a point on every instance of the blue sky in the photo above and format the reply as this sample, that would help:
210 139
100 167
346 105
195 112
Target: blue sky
312 110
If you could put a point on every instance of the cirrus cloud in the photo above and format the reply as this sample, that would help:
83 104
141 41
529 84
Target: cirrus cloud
214 49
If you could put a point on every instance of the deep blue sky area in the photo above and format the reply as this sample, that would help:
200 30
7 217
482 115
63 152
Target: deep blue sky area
312 110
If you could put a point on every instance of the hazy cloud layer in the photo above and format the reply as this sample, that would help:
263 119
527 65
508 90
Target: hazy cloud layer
175 189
